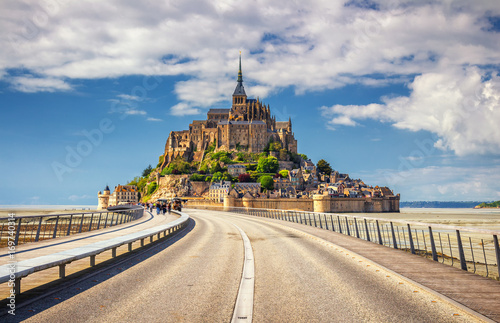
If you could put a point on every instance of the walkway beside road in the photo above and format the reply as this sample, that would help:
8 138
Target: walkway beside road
51 246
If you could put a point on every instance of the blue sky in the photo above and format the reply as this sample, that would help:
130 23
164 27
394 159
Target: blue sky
398 93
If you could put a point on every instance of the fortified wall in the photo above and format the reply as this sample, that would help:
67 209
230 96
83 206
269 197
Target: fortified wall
319 203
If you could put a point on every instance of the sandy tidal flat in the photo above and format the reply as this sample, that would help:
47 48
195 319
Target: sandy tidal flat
488 219
20 210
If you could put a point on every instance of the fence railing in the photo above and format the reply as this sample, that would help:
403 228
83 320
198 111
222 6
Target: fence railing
9 272
33 228
470 249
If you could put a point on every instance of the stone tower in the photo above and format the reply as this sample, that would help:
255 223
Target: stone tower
103 199
239 107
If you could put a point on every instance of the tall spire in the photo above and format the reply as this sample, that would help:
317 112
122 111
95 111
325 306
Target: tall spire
240 74
239 90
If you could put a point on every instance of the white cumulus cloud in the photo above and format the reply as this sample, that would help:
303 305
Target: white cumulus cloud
459 105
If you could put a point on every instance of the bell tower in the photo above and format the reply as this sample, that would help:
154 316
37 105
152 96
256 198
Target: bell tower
239 107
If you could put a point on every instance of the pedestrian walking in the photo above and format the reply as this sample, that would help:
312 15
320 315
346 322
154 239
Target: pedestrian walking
169 207
157 208
164 208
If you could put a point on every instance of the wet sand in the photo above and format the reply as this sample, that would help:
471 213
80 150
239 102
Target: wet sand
488 219
26 211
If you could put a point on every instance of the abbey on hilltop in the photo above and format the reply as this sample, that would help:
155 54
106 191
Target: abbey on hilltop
248 125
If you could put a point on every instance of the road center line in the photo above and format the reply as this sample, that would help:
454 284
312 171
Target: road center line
243 309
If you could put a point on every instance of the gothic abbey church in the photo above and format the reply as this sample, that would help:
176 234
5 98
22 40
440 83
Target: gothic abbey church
248 125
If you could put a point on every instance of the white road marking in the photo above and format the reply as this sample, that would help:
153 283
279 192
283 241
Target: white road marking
243 310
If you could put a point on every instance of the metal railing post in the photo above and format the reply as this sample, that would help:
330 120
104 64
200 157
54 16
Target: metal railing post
55 227
81 224
320 223
38 229
367 232
412 246
99 221
394 242
433 246
340 225
347 226
463 264
326 223
314 217
356 227
331 221
379 235
91 219
69 225
18 231
497 252
106 221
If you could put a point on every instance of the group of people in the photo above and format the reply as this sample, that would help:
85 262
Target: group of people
160 207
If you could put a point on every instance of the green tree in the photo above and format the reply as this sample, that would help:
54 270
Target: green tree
160 161
152 188
304 156
211 147
267 182
147 171
227 177
268 165
197 178
217 177
215 168
142 183
283 154
251 167
284 173
177 166
204 168
323 166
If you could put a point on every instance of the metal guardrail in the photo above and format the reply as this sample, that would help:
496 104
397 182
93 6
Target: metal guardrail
13 272
470 249
33 228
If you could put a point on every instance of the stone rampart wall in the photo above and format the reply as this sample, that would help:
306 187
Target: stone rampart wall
321 203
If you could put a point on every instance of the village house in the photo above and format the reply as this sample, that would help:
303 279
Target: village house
218 190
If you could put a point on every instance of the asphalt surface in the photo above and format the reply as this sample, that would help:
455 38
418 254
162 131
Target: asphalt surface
194 277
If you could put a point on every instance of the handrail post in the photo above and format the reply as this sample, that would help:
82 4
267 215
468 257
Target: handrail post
463 264
497 251
433 246
106 221
394 242
380 242
347 226
326 223
91 219
340 225
412 246
69 225
356 226
18 232
331 220
320 224
81 224
55 227
38 230
367 232
99 221
314 217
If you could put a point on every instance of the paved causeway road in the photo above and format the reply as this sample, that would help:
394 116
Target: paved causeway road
194 277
